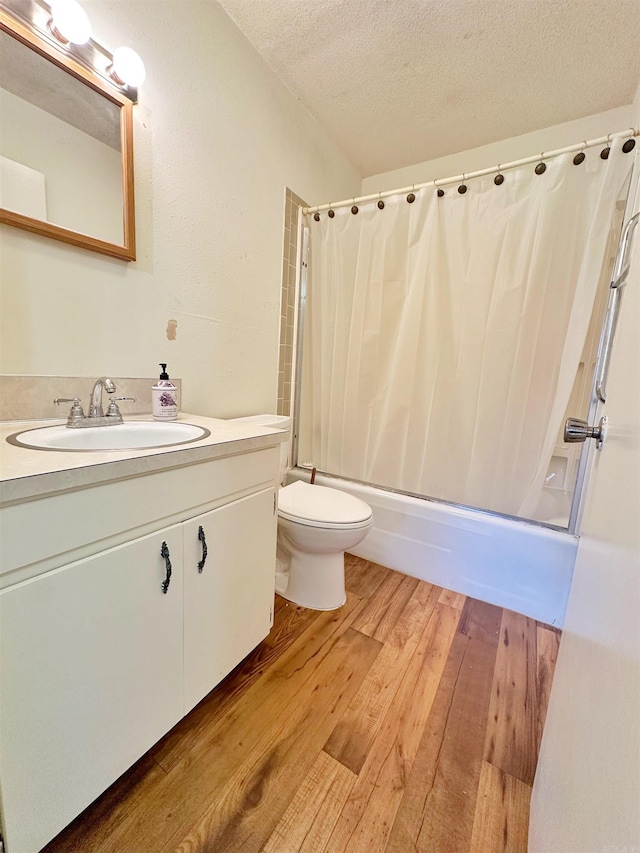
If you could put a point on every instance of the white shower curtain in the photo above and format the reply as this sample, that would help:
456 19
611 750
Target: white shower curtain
442 337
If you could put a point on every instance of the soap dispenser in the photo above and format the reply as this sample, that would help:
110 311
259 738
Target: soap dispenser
164 395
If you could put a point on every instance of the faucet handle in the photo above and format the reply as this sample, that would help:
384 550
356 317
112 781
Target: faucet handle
113 409
76 412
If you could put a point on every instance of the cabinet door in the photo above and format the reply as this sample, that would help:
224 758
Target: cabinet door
228 605
91 677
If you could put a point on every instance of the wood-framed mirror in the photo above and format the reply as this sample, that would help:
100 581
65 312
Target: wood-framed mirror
66 147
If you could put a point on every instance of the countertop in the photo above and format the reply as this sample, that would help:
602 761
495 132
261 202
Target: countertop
27 473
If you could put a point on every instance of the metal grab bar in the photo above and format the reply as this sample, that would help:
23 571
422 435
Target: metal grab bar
618 281
622 259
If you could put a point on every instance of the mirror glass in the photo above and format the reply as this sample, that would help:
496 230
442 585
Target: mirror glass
61 158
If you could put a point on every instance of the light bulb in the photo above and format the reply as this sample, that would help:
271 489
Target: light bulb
69 22
127 67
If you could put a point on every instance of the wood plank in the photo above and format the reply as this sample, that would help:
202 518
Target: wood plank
318 837
480 621
511 739
366 820
278 603
100 820
251 803
375 609
547 645
352 737
291 622
396 605
453 599
437 810
502 813
362 577
313 812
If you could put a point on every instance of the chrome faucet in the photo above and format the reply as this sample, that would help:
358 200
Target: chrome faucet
96 415
95 404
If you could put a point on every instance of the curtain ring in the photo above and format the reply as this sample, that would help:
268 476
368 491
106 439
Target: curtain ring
580 156
331 213
412 196
499 178
630 144
380 202
354 209
541 168
604 154
316 216
439 192
463 187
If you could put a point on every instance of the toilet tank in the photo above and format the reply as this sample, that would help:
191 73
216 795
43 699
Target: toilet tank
274 422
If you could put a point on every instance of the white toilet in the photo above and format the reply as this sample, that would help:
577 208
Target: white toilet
316 525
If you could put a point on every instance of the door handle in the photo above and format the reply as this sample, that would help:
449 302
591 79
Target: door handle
578 430
164 553
204 549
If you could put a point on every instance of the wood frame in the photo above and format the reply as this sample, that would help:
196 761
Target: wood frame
126 251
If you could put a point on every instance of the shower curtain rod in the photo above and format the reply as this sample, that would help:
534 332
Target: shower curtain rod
438 182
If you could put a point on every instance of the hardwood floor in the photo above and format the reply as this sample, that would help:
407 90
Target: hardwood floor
408 720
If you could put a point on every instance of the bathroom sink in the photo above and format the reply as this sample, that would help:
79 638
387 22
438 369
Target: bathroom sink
131 435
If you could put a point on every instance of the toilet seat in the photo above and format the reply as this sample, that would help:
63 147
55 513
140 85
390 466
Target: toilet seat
319 506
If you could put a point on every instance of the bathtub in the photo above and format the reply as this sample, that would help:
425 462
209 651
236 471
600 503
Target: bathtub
514 564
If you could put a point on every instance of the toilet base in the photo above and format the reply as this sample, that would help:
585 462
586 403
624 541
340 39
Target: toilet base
315 581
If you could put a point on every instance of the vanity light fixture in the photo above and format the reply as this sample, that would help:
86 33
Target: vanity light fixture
65 25
127 69
69 23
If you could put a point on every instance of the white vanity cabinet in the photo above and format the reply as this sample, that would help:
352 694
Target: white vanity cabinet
91 679
97 662
228 594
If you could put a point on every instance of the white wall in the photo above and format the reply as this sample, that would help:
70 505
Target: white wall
514 148
586 795
217 138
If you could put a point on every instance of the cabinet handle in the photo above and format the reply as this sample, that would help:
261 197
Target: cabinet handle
204 549
164 553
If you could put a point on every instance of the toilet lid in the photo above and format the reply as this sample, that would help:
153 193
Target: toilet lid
320 504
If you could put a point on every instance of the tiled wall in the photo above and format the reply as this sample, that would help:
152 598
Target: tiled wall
287 302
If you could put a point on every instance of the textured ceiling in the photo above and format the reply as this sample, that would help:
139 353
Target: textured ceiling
396 82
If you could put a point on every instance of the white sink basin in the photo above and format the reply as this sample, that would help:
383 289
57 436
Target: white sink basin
131 435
